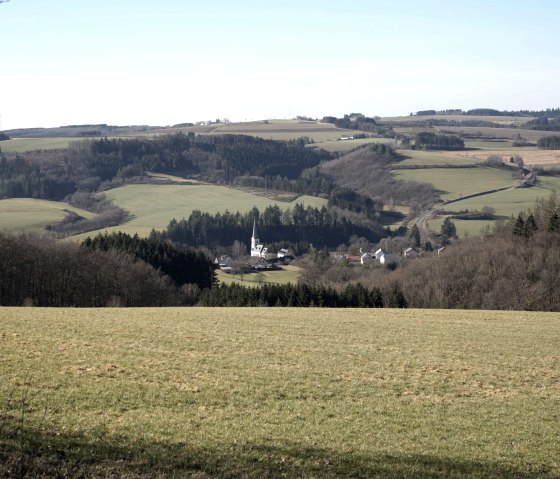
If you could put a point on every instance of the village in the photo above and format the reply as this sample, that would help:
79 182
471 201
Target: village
261 259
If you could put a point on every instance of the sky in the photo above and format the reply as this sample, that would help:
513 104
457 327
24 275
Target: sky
164 62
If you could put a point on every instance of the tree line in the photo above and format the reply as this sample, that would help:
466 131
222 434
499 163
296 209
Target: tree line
515 265
295 227
182 265
432 141
549 142
86 165
357 121
302 295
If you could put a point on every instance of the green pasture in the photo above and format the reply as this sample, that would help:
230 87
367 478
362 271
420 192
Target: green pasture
456 182
23 214
288 274
344 146
506 203
282 130
279 393
428 158
20 145
154 206
497 133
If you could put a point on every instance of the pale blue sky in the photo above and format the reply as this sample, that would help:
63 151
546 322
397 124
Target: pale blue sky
168 61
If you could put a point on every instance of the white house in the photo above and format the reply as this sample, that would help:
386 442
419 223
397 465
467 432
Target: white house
367 258
385 258
410 253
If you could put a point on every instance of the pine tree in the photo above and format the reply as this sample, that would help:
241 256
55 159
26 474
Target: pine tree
519 226
554 223
530 225
415 235
448 229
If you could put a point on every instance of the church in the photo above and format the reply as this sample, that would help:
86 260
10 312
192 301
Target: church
261 251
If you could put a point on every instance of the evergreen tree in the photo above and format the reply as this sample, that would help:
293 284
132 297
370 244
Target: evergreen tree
554 223
448 229
519 226
395 298
530 226
415 235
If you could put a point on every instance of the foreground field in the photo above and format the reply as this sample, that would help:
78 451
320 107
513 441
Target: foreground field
278 393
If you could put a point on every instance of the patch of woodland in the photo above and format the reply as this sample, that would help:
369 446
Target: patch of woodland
107 214
515 265
182 265
37 271
294 228
368 172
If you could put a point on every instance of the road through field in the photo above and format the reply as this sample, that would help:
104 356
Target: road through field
422 220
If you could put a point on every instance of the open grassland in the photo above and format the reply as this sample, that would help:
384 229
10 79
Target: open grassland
23 214
288 274
489 144
254 393
456 182
269 129
429 158
344 146
20 145
154 206
502 120
506 203
481 133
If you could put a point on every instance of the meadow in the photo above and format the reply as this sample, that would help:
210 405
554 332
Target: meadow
502 120
253 393
288 274
154 206
20 145
429 158
456 182
24 214
506 203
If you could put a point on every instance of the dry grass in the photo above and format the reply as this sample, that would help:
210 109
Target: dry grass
279 393
531 156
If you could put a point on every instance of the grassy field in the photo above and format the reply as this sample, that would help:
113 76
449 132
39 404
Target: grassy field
154 206
428 158
457 182
348 145
506 203
502 120
274 392
288 274
20 145
271 129
24 214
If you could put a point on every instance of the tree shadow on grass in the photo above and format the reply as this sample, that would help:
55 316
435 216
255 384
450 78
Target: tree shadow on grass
38 453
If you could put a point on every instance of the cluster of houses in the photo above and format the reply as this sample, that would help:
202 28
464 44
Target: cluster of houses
263 259
379 256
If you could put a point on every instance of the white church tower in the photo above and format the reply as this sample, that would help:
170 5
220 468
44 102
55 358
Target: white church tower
258 249
255 240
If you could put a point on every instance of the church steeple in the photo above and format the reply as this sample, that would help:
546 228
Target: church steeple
255 237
